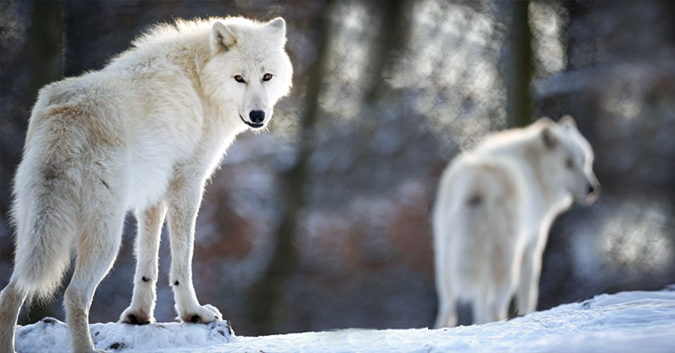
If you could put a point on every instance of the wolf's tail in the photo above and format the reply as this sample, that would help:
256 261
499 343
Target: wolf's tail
45 209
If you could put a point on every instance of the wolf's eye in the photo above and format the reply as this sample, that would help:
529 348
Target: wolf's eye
239 79
569 163
267 77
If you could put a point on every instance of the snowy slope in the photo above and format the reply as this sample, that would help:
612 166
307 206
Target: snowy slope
623 322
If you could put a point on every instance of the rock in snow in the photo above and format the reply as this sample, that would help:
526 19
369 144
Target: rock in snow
624 322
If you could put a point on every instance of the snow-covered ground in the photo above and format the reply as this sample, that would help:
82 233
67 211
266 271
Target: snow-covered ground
623 322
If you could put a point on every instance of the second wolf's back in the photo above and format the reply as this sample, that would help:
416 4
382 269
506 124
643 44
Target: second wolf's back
476 222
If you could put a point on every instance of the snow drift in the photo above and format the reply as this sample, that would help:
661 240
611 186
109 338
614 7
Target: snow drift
624 322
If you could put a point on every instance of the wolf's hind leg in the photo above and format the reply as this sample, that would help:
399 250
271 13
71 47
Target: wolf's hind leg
11 300
447 312
528 287
97 247
447 301
142 305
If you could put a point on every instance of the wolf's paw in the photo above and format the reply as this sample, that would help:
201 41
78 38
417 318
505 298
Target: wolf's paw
202 315
136 317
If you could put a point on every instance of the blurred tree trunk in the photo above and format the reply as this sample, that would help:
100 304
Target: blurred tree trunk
46 44
519 70
267 292
519 76
389 43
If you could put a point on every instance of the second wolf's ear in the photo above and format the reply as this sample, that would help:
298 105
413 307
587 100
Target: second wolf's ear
548 137
567 121
545 121
222 37
277 27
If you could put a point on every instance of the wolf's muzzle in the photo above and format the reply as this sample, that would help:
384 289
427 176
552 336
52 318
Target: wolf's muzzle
255 125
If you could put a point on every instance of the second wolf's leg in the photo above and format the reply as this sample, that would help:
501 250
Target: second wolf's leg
493 307
11 299
500 285
480 308
141 310
499 309
447 310
184 203
447 302
528 288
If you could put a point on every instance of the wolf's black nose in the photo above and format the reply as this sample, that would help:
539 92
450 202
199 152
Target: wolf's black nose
257 116
593 189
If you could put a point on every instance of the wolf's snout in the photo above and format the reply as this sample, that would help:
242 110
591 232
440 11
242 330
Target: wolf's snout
257 116
592 192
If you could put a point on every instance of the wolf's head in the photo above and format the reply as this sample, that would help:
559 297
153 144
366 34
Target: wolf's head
568 159
249 69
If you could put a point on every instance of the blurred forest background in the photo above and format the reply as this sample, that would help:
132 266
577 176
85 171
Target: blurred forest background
322 222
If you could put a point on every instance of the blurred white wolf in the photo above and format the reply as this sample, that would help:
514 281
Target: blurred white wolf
494 209
144 133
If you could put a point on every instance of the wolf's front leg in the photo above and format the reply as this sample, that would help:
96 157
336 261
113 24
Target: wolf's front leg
142 306
183 206
528 287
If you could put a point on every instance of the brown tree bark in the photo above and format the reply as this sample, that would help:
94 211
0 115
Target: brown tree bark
267 292
519 71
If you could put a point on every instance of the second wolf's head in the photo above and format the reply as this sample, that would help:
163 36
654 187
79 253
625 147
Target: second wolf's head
249 69
569 161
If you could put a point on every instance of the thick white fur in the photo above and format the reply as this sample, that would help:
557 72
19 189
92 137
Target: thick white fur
144 133
494 208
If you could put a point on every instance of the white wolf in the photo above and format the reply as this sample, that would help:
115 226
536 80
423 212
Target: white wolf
494 209
144 133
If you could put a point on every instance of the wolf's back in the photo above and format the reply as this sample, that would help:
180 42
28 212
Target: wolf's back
477 219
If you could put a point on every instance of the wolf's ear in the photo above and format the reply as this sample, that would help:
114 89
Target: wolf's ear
548 137
277 27
567 121
222 37
545 121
